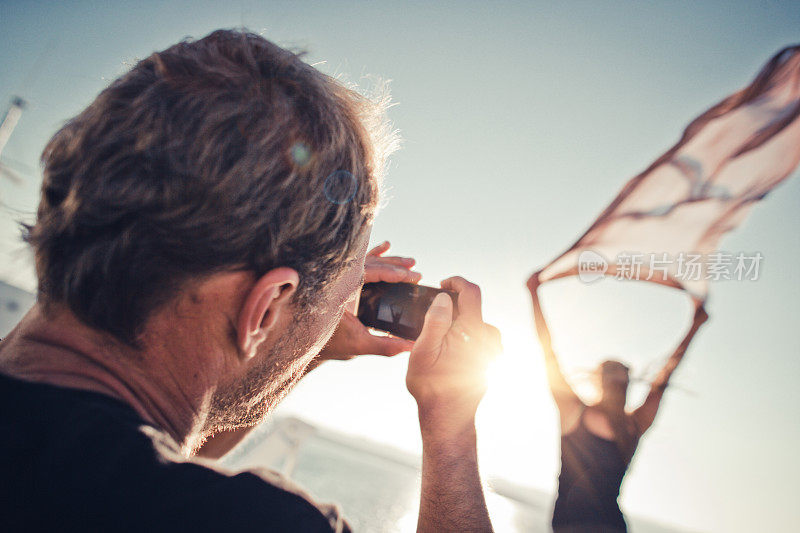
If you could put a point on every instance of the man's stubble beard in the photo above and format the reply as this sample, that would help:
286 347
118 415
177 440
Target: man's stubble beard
248 402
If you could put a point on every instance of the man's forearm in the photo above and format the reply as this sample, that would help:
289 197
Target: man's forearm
452 496
447 377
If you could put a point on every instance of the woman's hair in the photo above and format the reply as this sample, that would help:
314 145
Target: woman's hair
224 153
609 368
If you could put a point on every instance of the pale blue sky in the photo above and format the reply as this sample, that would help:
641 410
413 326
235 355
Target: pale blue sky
521 122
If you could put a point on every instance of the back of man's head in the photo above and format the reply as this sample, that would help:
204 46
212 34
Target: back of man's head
225 153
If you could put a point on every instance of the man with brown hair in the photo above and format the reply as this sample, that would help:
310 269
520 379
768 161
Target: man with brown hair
200 241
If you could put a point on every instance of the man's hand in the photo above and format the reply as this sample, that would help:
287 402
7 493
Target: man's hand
447 377
447 368
351 337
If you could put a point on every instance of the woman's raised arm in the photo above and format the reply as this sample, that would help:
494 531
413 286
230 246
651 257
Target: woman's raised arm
565 398
645 414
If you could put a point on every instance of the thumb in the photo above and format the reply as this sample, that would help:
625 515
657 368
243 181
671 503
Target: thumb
438 320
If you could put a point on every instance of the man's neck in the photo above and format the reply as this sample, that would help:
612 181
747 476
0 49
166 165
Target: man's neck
58 349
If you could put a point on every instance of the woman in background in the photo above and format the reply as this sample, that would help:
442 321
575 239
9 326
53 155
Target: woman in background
598 440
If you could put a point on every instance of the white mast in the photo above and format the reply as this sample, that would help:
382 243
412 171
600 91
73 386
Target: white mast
6 128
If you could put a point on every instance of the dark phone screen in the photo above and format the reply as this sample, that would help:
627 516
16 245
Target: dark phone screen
397 308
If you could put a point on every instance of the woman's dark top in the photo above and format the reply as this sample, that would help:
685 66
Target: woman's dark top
592 469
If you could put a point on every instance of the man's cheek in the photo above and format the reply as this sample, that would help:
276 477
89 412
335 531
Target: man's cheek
352 304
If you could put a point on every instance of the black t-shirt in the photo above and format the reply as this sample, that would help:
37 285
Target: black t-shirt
73 460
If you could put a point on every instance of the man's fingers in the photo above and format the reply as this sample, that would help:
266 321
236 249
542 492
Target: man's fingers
389 346
380 249
390 274
438 320
406 262
469 297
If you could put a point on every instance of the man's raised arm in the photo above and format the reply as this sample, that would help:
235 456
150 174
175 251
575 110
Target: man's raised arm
447 377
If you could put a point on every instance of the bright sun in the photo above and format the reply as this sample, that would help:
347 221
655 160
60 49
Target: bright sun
517 418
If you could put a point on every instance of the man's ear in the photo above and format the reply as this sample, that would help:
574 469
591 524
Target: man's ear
262 306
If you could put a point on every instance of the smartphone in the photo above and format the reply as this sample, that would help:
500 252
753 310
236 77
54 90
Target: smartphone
398 308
